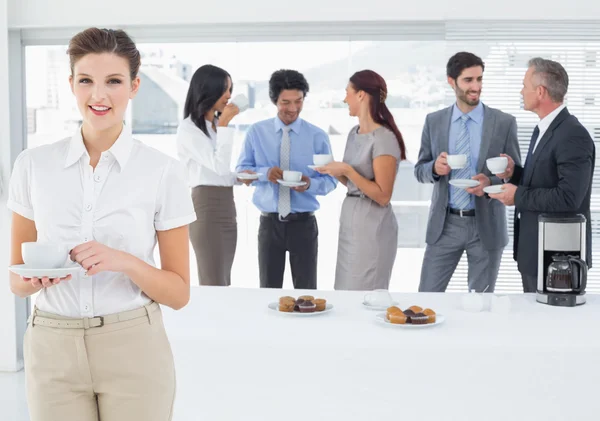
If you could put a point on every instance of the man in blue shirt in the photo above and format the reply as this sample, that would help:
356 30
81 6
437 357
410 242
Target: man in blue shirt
287 222
464 219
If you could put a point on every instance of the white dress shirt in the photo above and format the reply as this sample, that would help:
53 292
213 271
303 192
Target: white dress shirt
206 158
545 123
133 192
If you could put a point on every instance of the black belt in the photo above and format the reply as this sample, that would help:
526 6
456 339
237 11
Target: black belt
361 195
300 216
461 213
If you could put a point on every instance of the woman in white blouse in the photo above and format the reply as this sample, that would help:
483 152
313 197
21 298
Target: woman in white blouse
204 145
96 348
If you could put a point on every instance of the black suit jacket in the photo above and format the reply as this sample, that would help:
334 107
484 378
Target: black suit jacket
558 181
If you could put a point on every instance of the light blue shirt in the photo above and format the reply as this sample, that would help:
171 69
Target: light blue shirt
261 152
475 126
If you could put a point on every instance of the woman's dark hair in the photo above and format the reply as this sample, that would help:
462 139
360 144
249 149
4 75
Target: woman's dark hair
374 85
286 79
208 84
461 61
98 41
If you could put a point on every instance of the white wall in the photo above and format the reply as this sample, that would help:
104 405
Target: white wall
77 13
8 346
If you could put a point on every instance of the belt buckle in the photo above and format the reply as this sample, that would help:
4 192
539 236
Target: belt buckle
461 213
282 219
101 320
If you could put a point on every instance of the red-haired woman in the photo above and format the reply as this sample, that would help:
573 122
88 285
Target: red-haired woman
368 237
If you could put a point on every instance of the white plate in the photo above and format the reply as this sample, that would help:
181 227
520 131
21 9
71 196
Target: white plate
23 270
439 319
275 307
497 188
464 183
247 176
292 183
379 308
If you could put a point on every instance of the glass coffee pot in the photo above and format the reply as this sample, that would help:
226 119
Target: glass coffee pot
566 274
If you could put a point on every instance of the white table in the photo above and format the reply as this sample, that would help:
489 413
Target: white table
238 360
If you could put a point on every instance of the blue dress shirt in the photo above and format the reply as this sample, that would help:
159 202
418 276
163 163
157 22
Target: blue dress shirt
475 126
261 152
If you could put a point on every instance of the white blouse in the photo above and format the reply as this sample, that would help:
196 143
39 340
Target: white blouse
206 158
134 191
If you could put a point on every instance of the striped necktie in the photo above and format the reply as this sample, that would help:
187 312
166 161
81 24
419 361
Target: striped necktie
462 199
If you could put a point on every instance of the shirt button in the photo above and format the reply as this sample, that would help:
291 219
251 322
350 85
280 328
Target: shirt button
88 207
85 239
97 178
105 157
87 307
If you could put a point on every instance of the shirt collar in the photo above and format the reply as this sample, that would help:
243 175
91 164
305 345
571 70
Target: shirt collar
295 126
476 113
120 150
547 121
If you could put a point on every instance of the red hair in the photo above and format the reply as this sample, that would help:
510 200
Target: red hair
374 85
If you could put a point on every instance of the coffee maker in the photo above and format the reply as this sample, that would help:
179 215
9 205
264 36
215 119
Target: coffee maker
562 271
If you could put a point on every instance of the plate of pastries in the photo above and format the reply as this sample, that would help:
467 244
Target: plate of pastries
413 317
305 305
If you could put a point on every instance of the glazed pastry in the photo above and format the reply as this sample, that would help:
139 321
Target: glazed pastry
307 297
286 307
419 319
320 303
397 318
283 300
307 307
298 302
430 315
393 310
416 309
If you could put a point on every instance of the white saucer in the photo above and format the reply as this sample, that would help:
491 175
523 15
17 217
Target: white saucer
495 189
379 308
439 319
247 176
464 183
314 167
24 271
275 307
292 183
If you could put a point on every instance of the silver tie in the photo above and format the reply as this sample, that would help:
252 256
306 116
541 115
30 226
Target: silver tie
284 205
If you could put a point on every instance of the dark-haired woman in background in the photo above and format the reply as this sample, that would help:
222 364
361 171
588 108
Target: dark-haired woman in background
368 229
204 145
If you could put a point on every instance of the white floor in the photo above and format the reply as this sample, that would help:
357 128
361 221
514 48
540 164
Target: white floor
13 405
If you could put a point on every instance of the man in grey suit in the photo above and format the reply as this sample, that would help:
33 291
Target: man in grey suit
464 219
557 177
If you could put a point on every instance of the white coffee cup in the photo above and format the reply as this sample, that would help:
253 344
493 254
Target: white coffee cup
379 297
241 101
322 159
44 255
457 161
497 165
473 302
293 176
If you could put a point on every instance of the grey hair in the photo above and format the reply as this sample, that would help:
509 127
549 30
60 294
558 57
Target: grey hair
552 76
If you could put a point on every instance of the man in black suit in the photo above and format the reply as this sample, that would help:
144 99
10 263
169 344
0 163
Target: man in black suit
558 171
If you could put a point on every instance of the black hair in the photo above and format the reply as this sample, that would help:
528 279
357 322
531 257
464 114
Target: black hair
208 84
461 61
286 79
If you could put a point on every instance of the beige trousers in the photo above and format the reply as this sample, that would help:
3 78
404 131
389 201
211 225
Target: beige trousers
120 370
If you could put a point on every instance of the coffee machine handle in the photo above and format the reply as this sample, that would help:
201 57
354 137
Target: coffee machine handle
583 278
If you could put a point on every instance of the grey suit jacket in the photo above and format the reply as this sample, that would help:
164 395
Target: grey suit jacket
499 135
557 180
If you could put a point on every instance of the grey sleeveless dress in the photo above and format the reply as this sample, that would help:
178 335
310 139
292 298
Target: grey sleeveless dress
368 238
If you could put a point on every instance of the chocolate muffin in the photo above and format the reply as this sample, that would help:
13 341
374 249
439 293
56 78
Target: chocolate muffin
409 314
298 302
307 307
419 319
